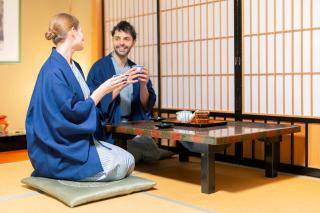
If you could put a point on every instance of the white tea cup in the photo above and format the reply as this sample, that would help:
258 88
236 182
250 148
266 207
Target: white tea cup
139 68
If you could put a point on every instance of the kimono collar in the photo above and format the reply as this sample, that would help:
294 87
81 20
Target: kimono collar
65 66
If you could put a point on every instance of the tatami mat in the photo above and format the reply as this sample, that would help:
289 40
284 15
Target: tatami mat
239 189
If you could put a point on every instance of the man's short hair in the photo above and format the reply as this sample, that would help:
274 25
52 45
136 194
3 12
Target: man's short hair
125 27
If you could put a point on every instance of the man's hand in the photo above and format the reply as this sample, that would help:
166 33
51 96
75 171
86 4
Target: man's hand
144 77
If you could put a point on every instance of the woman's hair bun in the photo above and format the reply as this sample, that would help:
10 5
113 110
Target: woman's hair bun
50 35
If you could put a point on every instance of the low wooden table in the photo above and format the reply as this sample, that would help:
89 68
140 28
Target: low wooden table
212 140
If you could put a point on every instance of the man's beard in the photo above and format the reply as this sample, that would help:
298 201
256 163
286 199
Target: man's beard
122 54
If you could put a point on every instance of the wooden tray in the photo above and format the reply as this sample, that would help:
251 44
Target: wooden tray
210 123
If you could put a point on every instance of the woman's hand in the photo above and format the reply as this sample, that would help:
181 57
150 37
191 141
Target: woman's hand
131 77
114 83
109 85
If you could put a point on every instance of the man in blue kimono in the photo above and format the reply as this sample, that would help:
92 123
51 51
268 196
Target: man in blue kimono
130 102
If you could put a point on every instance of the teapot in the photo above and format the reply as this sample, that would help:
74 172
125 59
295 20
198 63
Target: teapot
184 116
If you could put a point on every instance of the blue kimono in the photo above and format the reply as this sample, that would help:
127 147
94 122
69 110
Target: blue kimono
110 111
60 124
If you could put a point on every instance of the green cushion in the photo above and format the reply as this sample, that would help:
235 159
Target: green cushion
76 193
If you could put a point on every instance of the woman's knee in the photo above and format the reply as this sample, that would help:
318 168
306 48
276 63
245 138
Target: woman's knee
131 163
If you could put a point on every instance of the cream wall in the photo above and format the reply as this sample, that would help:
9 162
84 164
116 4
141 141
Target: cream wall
17 80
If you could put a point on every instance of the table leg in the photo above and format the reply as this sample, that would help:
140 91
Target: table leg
120 140
272 156
238 152
208 167
183 153
208 170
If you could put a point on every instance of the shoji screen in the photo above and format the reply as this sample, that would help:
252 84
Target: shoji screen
197 70
142 14
281 40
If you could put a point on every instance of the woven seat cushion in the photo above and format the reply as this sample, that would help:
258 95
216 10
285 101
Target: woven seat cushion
74 193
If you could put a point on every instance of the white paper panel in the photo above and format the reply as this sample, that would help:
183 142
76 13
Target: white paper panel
246 56
231 94
306 13
246 18
288 53
210 57
271 98
288 95
192 93
217 93
203 58
279 14
287 15
224 94
180 58
203 17
315 13
223 18
175 59
297 14
205 97
180 25
263 16
230 57
186 92
247 96
306 96
217 55
297 95
270 56
164 92
211 93
216 23
279 94
316 51
306 52
292 55
270 16
196 22
197 93
254 94
197 61
174 92
263 95
254 50
224 56
263 67
230 17
254 13
169 92
297 52
173 26
180 92
316 95
279 53
191 52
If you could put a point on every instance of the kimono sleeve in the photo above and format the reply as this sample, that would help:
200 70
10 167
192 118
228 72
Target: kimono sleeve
152 97
95 78
69 113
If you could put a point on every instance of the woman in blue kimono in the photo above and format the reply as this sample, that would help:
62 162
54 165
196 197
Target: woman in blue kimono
62 116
